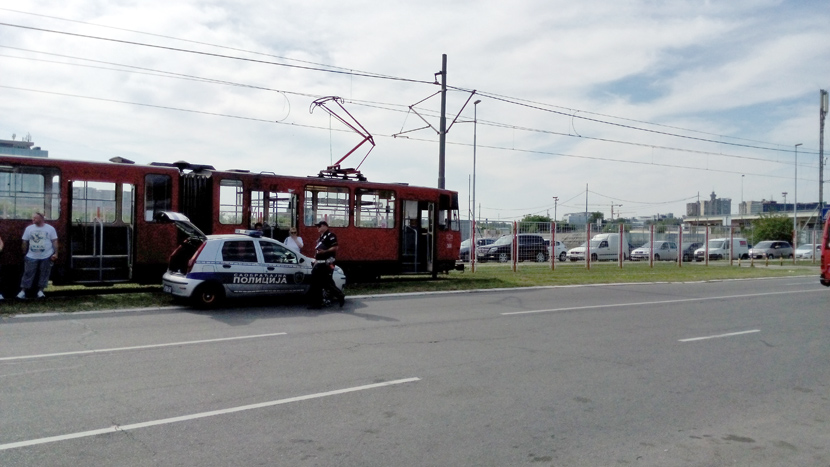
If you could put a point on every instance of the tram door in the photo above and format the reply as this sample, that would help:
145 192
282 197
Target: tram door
101 232
277 211
417 233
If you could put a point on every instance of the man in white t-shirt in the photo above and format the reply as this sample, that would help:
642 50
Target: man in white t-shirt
40 245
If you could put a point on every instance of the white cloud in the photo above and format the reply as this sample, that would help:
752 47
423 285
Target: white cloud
747 70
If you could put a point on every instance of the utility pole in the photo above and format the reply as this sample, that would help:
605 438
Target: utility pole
822 113
586 205
442 131
555 201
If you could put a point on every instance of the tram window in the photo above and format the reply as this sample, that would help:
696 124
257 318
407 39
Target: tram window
28 191
158 195
374 208
93 200
127 202
326 203
230 202
274 209
448 213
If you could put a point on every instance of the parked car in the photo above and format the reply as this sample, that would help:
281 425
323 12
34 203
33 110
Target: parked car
688 250
577 253
464 252
603 247
807 251
531 247
206 269
771 249
719 248
663 250
560 251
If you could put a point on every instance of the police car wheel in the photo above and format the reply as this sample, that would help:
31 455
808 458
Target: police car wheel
207 295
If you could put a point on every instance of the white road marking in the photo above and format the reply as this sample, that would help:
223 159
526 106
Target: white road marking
657 302
719 335
183 418
138 347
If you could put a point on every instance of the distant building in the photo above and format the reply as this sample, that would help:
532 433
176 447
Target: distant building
21 148
576 218
713 207
693 209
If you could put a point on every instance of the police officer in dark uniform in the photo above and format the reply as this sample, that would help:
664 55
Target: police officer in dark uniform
326 250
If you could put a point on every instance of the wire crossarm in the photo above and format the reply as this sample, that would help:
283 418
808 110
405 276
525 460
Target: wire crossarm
335 171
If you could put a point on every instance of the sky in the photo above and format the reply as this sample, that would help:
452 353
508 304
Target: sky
639 106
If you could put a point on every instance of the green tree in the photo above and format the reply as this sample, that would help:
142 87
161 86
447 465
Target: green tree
772 227
533 223
595 216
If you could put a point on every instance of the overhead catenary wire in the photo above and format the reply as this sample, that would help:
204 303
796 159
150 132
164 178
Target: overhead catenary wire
572 113
501 148
370 104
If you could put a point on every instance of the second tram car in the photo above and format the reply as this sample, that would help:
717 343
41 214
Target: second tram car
105 216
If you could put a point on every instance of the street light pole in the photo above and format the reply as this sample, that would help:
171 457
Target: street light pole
473 244
742 206
555 200
795 203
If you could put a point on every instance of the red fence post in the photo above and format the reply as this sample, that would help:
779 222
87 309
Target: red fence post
621 255
473 246
588 245
651 246
552 246
515 246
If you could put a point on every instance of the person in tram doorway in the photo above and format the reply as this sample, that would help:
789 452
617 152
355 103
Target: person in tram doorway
40 245
326 251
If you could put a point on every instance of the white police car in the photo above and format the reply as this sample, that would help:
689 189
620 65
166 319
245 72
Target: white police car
208 268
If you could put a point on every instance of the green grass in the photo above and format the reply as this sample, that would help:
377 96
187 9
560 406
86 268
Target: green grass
488 276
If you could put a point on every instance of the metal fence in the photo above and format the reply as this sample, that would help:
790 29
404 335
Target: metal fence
512 244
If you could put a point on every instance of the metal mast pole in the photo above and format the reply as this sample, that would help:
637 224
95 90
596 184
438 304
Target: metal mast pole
442 131
822 114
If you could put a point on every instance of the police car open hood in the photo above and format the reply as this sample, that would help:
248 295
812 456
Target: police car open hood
182 222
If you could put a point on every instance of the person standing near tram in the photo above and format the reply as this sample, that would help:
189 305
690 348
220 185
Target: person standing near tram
325 252
293 241
40 247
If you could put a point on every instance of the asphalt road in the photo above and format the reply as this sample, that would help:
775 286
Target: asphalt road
697 374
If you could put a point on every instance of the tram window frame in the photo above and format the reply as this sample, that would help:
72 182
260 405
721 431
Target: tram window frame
334 209
381 215
448 217
26 190
230 201
158 195
276 209
89 197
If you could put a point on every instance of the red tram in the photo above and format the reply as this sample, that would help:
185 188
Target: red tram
104 213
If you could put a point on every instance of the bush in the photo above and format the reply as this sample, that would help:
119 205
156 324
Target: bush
772 227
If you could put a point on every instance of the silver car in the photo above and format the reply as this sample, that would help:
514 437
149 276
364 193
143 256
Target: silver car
206 269
771 249
807 251
662 250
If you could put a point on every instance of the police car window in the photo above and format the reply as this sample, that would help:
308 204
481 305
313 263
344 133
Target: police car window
273 253
242 251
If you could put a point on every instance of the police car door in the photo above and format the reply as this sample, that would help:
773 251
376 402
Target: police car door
283 270
241 269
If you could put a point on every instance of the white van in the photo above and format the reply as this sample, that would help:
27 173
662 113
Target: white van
603 246
719 249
